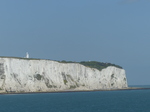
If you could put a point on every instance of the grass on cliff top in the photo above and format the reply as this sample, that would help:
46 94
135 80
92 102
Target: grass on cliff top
91 64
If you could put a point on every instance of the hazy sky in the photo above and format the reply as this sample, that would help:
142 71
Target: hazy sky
115 31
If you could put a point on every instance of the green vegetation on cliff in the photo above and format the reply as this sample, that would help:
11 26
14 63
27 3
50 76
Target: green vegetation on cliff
93 64
98 65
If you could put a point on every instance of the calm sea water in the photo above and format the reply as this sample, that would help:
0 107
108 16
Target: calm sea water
99 101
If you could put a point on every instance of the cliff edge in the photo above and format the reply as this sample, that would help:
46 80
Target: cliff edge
33 75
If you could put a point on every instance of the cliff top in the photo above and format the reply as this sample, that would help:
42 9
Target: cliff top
91 64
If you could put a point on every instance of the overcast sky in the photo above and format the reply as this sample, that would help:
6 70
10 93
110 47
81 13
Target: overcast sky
115 31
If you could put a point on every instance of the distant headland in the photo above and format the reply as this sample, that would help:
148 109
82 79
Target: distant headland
21 75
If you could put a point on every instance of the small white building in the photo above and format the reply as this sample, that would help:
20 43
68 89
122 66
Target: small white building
27 55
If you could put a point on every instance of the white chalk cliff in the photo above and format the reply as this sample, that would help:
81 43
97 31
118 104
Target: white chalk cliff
30 75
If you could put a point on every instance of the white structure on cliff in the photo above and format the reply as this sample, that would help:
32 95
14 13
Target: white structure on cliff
27 55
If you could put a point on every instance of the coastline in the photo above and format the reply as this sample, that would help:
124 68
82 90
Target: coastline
71 91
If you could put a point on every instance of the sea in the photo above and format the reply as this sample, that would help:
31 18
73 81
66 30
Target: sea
96 101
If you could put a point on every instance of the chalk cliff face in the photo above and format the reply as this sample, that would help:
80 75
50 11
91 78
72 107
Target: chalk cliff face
24 75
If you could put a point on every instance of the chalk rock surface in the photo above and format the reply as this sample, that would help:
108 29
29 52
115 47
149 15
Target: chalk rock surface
33 75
